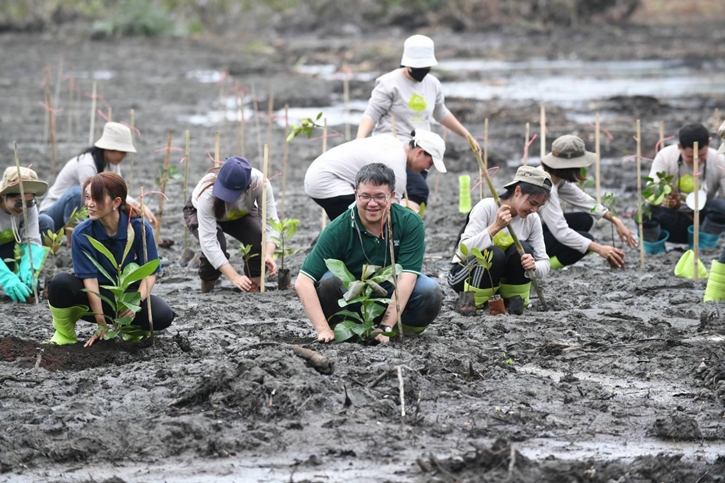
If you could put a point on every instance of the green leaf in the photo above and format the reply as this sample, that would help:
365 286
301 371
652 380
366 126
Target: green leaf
115 290
372 310
102 249
98 266
348 313
129 241
386 274
124 321
343 331
354 291
111 334
110 302
368 271
463 249
338 268
377 289
139 273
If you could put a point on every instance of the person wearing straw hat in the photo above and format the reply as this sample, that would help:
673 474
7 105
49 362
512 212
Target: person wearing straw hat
64 196
330 179
414 98
114 224
361 237
486 229
228 200
16 276
567 235
675 215
715 289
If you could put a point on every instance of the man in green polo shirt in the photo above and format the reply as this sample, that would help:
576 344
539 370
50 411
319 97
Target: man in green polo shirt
357 237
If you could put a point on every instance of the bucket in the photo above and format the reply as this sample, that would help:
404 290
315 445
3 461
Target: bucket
707 240
653 248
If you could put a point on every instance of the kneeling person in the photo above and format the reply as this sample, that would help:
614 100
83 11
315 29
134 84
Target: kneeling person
359 237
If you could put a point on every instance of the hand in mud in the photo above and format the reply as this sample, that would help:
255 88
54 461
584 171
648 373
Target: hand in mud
271 266
503 218
614 256
528 262
243 283
97 336
325 335
383 339
673 201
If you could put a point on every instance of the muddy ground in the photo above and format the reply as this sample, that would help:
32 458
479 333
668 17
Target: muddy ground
619 381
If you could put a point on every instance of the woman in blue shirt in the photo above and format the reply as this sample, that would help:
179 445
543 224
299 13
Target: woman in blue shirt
108 223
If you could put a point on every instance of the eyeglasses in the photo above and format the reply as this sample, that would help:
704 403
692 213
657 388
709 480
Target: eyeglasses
366 198
18 204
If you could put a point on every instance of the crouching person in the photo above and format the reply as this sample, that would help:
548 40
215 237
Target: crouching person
110 222
360 237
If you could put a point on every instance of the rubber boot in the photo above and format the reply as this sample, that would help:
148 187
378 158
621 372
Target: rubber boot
481 295
685 266
207 285
555 264
510 293
715 289
64 322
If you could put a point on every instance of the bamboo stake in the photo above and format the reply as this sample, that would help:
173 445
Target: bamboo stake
53 142
285 159
71 88
164 177
323 219
93 115
110 114
223 106
256 123
529 273
393 127
237 114
391 247
639 193
187 154
438 174
598 152
46 125
265 164
485 156
217 152
401 389
58 85
96 135
346 99
696 214
270 115
145 260
662 134
244 127
542 134
27 224
526 143
133 155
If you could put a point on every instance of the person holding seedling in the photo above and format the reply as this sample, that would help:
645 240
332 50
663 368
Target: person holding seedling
567 235
330 179
715 290
360 237
228 200
102 290
65 195
672 212
486 229
407 99
16 240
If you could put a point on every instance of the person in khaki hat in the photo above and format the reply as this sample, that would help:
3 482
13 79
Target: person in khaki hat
567 235
486 230
17 279
414 98
105 155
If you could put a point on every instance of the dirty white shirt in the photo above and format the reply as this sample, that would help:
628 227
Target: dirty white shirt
9 224
552 215
527 229
250 199
333 173
666 160
413 104
74 173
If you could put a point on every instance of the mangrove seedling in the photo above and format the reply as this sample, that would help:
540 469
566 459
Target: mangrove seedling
655 192
54 240
170 174
286 229
306 127
368 292
246 251
609 200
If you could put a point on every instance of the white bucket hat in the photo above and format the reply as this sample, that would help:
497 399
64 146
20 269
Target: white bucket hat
116 137
418 51
432 144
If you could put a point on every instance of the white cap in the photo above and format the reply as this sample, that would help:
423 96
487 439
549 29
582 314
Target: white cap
418 51
432 144
116 137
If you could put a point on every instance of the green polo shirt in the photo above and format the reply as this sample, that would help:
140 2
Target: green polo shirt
341 241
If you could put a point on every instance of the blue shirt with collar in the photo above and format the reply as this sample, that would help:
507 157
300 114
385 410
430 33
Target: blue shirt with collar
116 244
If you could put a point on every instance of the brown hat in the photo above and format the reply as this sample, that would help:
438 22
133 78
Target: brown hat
568 151
531 175
721 132
10 184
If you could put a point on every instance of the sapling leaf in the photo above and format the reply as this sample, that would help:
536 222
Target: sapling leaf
367 271
358 329
111 334
343 330
377 288
355 289
110 302
131 235
124 321
139 273
98 266
348 313
372 310
338 269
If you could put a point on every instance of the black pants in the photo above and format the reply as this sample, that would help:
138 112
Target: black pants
66 290
417 187
580 223
336 206
505 265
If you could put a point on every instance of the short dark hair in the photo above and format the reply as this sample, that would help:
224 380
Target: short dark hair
376 174
526 189
692 133
567 174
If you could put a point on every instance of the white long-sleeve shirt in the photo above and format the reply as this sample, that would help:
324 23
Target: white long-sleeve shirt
203 201
667 161
527 229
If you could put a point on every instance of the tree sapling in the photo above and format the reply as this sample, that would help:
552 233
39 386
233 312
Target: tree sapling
286 229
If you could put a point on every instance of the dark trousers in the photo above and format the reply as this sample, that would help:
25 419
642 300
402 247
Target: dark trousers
66 290
505 266
247 229
336 206
677 222
580 223
417 186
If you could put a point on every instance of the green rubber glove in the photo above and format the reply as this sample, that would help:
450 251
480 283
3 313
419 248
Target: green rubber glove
12 285
39 255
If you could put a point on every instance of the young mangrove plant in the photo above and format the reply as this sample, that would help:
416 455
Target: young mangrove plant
246 251
306 127
54 240
286 228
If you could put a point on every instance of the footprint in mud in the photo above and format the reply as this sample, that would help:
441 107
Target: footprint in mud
714 378
677 427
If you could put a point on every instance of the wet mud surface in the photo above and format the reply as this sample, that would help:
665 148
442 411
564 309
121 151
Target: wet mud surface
622 379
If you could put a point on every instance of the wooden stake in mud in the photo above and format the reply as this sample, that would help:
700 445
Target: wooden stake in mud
529 273
256 123
243 127
265 164
237 116
133 155
285 159
58 85
485 156
696 211
542 133
223 105
526 144
109 114
53 142
164 177
598 152
146 259
27 224
639 193
270 115
394 275
187 154
71 89
438 174
217 153
323 219
401 388
46 125
93 115
662 135
346 99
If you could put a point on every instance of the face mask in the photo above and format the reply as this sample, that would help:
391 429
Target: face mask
418 74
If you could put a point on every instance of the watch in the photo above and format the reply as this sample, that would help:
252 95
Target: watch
386 329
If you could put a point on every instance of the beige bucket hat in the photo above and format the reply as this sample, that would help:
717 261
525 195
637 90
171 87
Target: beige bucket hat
116 137
721 132
10 183
568 151
532 175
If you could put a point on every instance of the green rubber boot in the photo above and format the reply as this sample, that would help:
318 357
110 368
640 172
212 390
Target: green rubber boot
715 289
64 322
481 295
555 264
507 291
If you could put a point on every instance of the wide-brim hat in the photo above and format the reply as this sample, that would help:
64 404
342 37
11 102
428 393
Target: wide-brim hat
116 137
532 175
432 144
721 132
233 179
568 151
10 183
418 51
